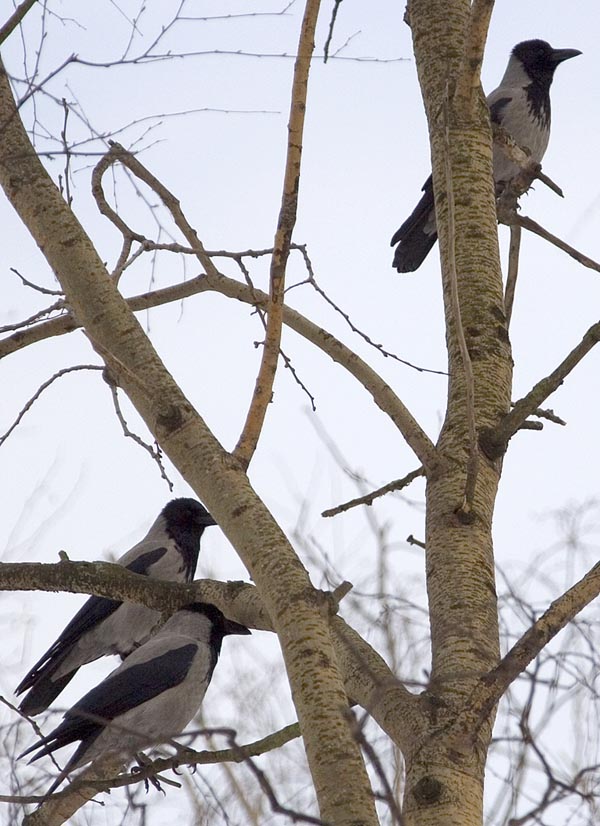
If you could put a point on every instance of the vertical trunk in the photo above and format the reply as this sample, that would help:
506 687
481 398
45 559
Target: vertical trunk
445 780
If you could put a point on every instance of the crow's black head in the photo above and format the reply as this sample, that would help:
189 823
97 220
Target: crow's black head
187 514
221 625
185 521
540 60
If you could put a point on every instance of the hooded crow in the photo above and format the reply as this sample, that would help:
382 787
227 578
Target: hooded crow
521 105
105 626
150 697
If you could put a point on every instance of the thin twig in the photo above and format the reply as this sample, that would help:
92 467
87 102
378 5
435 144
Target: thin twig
513 271
550 415
358 733
383 395
263 389
537 229
290 366
155 452
334 13
63 137
269 792
369 498
473 460
495 441
39 392
27 322
36 287
286 359
386 353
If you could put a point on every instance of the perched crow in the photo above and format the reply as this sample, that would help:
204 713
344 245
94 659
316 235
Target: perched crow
150 697
106 626
521 105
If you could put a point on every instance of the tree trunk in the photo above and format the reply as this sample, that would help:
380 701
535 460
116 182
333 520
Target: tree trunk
445 778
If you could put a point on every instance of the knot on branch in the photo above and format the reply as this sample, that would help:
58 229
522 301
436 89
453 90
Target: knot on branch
492 446
329 601
428 790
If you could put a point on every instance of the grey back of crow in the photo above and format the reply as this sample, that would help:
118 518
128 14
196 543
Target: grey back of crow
521 105
104 626
150 697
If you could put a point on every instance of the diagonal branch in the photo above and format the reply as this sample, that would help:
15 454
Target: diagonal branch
383 395
369 498
94 779
537 229
57 810
13 21
492 685
367 678
304 631
495 441
44 386
119 153
263 389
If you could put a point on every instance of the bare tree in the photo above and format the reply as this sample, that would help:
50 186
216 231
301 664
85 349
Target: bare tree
425 764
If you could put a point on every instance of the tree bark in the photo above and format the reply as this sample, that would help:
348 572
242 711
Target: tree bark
445 778
337 767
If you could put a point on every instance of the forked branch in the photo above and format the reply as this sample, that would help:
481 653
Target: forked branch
495 441
383 395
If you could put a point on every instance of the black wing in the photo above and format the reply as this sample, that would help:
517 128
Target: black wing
91 614
417 235
497 108
120 692
419 215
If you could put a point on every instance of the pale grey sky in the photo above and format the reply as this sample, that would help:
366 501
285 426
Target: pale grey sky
69 479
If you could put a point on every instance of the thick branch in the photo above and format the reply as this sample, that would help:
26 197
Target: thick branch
383 395
469 81
263 389
494 442
15 18
367 678
336 764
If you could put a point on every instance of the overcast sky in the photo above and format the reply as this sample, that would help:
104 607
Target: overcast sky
70 480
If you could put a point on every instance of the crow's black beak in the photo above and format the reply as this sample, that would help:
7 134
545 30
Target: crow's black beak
558 55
